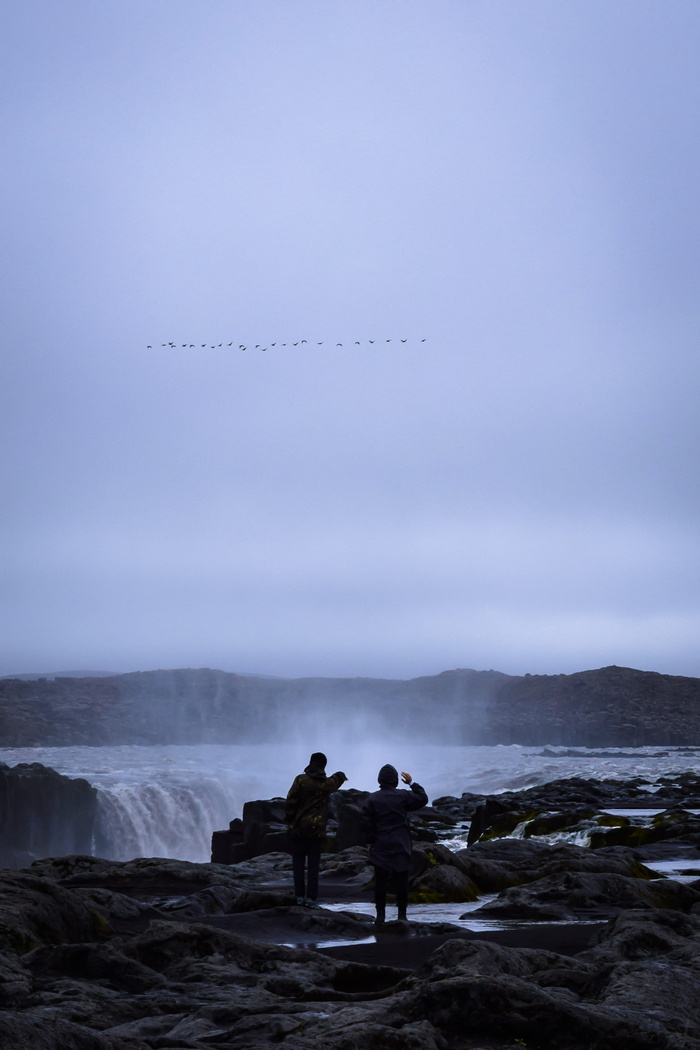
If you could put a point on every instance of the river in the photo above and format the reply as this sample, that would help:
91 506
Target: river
166 801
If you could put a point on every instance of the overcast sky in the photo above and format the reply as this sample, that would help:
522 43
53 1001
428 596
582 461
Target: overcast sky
513 181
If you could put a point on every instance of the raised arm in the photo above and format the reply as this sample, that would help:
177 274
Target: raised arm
335 781
417 799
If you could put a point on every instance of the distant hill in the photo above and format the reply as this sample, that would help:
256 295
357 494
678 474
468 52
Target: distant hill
33 677
612 706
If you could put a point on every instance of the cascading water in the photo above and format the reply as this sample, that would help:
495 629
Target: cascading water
160 801
167 801
169 819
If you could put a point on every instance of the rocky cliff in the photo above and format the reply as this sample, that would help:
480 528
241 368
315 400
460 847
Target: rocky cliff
43 813
613 706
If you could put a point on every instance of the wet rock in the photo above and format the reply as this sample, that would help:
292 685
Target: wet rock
501 863
36 911
439 876
512 1008
227 846
94 962
674 824
195 985
459 808
350 865
15 981
26 1032
444 883
571 895
458 956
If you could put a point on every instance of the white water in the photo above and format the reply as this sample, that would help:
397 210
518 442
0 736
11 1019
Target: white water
166 801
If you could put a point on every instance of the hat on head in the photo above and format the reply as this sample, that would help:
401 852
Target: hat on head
318 759
388 777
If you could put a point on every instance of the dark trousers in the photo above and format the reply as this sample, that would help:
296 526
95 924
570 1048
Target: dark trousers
381 881
303 851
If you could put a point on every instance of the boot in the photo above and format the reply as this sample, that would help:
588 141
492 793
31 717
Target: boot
402 915
381 917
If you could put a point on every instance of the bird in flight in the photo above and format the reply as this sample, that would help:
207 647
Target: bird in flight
259 346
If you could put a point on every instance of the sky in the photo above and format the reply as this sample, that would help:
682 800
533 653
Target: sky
510 186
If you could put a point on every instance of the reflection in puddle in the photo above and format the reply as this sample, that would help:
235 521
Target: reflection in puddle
459 915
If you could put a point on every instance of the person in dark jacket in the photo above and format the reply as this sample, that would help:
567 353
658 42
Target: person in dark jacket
306 816
385 823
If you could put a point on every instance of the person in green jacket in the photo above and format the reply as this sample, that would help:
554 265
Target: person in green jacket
307 817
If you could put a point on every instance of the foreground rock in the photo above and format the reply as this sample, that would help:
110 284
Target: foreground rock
98 955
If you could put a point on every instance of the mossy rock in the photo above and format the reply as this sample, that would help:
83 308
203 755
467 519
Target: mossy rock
631 835
671 818
448 884
609 820
548 823
505 823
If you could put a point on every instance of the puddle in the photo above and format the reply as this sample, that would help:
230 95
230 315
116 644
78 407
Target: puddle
686 870
632 813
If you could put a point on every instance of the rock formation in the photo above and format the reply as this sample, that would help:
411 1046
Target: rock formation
166 955
43 813
153 954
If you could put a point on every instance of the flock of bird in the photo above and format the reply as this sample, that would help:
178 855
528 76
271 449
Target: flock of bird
259 346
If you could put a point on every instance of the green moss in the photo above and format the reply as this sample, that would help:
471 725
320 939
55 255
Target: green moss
664 820
427 895
21 943
607 820
100 925
640 871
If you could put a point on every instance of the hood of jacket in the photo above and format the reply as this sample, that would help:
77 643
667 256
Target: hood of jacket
388 777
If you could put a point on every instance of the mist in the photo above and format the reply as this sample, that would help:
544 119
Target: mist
511 189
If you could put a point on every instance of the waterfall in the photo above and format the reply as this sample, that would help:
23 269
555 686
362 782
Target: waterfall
170 818
167 800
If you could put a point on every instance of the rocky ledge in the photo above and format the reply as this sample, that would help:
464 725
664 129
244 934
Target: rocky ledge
158 954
